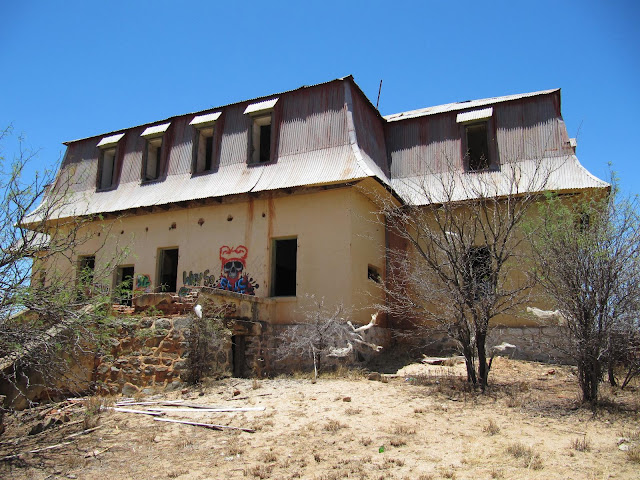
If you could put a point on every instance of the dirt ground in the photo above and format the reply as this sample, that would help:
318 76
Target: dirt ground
420 423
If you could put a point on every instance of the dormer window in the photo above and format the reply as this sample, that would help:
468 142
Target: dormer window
107 161
477 146
202 155
261 139
152 156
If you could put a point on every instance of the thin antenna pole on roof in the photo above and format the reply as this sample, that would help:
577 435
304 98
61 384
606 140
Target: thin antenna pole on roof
379 90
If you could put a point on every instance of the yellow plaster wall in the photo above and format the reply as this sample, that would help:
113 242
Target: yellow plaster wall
334 246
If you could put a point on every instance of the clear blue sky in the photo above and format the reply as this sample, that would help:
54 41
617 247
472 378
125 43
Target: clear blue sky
74 69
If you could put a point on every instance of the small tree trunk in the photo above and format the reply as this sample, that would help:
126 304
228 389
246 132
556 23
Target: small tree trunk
483 368
315 365
468 360
611 373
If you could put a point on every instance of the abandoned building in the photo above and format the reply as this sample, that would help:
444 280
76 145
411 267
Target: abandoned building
274 198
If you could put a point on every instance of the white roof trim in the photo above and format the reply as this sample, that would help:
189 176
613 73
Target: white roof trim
205 120
260 106
155 130
474 115
111 140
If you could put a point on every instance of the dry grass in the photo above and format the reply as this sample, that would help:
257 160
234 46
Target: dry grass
581 444
491 427
333 426
633 454
399 430
531 458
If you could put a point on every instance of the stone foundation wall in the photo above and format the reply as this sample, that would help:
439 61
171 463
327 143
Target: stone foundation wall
149 354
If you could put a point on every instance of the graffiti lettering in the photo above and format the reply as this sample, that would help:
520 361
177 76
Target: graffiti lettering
198 279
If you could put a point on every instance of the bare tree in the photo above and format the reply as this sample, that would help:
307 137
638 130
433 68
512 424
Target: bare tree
324 333
588 255
457 251
49 313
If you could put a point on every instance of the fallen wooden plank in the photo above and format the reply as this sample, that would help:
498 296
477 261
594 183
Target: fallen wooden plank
206 425
130 410
205 410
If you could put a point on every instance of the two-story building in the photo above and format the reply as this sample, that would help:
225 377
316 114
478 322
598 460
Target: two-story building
274 197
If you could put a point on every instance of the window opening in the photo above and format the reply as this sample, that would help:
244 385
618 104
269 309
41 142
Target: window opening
107 168
480 281
168 270
374 274
285 258
203 150
123 291
86 269
477 146
152 159
261 139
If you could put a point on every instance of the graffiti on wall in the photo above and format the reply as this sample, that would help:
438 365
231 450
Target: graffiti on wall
198 279
233 276
143 283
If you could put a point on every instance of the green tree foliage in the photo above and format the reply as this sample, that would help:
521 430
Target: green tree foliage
587 250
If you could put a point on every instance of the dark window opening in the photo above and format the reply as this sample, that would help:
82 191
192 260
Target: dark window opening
479 274
583 222
374 274
86 269
265 143
168 270
124 285
284 267
478 146
261 140
107 168
203 150
152 159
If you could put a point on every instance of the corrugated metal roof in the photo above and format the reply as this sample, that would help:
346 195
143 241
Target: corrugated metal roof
555 174
106 141
155 130
474 115
450 107
324 166
261 106
205 120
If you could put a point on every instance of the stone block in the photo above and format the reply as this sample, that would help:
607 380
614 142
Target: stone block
181 323
162 324
129 389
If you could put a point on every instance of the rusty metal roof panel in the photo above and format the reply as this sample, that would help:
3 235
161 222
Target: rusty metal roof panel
554 173
323 166
451 107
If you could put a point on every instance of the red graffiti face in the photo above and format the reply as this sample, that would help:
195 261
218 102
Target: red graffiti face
233 262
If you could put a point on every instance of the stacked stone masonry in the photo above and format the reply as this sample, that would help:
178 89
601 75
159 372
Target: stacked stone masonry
148 354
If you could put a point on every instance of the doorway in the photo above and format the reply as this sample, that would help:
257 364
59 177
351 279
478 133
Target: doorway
167 270
123 291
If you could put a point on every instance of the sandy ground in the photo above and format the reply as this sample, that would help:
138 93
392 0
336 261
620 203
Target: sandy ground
422 423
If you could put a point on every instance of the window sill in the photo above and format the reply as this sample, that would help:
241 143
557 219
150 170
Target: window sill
285 299
149 182
107 189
